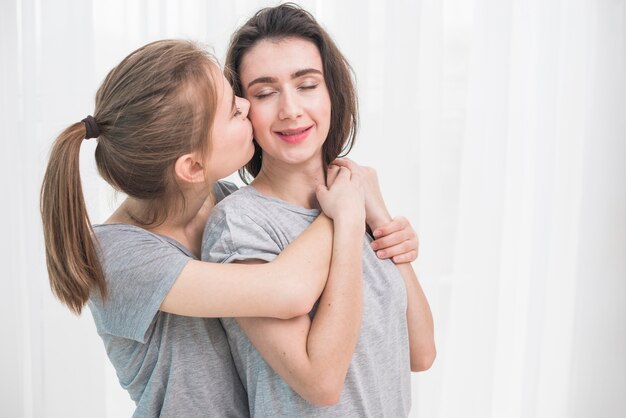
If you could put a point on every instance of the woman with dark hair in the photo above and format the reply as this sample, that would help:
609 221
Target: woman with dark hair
303 112
168 127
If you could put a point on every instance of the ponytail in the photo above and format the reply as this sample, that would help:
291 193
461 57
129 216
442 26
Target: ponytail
156 105
73 265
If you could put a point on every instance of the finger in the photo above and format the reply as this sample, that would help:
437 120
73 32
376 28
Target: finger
405 258
321 193
390 240
394 250
346 162
331 174
397 224
344 174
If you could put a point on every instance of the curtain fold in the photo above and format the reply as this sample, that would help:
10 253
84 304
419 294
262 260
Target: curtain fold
497 127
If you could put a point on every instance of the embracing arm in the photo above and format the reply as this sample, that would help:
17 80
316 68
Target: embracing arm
419 322
206 289
396 239
313 356
418 315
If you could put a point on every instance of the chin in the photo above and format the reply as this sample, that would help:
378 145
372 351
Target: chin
298 159
250 155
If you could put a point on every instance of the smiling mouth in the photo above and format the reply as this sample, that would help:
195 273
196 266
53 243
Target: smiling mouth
293 132
294 136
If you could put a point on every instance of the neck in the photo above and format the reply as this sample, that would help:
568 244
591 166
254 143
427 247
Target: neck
295 184
184 224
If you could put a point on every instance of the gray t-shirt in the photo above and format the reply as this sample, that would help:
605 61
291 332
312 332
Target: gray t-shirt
171 365
248 225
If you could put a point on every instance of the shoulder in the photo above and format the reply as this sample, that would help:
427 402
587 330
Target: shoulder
223 188
237 225
140 268
110 236
244 204
234 216
122 246
243 196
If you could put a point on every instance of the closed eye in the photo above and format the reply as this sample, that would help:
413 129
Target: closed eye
264 94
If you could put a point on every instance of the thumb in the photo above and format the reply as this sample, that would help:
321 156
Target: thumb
321 190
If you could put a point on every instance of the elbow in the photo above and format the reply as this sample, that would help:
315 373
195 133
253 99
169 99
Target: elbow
323 388
327 399
299 301
423 360
325 394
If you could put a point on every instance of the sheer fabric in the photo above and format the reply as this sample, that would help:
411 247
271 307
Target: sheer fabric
497 127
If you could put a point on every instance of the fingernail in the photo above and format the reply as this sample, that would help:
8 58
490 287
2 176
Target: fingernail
381 254
377 233
374 246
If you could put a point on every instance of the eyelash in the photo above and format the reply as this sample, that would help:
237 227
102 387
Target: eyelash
262 96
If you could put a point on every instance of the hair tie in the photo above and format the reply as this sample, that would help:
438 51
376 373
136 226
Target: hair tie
92 127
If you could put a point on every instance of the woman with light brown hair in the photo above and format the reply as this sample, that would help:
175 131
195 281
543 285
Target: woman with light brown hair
168 128
304 114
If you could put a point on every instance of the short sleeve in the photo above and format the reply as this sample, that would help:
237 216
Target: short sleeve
222 189
231 235
140 268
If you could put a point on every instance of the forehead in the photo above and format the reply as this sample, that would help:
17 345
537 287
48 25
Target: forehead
222 86
279 57
215 73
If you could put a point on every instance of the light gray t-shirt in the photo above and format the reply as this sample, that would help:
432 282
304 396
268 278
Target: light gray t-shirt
248 225
171 365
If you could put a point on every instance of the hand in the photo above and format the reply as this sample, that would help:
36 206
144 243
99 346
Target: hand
376 213
344 198
396 240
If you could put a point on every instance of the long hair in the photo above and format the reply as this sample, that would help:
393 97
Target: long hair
290 21
155 106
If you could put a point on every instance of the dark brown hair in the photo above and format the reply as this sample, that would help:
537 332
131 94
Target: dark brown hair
155 106
290 21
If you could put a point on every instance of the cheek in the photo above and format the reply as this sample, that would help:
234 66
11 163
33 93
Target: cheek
323 107
260 124
324 112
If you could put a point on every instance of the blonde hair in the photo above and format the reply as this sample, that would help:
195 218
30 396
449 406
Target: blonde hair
156 105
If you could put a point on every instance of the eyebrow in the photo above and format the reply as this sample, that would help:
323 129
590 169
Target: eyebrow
297 74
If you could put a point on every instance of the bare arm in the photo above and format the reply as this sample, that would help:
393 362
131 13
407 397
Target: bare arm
398 239
313 356
231 290
419 322
395 238
418 315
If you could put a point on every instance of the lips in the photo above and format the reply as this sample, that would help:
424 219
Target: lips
294 136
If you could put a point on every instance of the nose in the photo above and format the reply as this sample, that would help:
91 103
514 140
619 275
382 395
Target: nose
289 106
243 105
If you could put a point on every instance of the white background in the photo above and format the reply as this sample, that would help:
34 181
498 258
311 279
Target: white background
498 127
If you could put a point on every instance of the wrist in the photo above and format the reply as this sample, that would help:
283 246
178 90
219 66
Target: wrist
350 224
377 219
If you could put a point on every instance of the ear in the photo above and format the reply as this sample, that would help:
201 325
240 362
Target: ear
189 168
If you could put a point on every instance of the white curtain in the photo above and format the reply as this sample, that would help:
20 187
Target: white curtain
498 127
